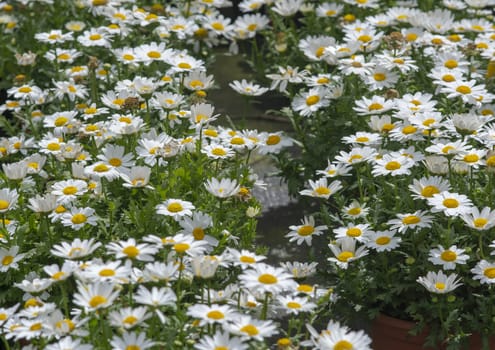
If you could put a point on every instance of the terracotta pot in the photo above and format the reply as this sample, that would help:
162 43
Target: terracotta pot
390 333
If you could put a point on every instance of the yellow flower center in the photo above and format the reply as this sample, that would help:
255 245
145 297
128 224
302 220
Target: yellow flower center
354 211
7 260
60 209
354 157
451 64
450 203
95 37
383 240
61 121
219 152
463 89
387 127
489 272
198 233
13 104
154 54
184 65
284 342
250 330
375 107
237 141
273 140
252 27
175 207
448 255
407 130
4 204
343 345
344 256
392 165
97 300
448 78
215 314
305 288
454 38
437 41
181 247
354 232
3 316
119 102
101 168
64 57
480 222
411 37
25 89
399 61
379 76
311 100
115 162
267 278
320 51
365 38
490 161
70 190
362 139
131 251
247 259
305 230
440 286
323 80
411 220
293 305
130 320
32 302
79 218
58 275
36 326
471 158
217 26
133 347
107 273
429 191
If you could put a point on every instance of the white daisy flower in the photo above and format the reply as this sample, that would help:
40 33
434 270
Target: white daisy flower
220 340
77 218
438 282
8 199
448 258
451 204
76 249
383 240
222 188
175 208
95 296
131 340
484 271
306 231
321 189
404 222
344 250
480 220
10 258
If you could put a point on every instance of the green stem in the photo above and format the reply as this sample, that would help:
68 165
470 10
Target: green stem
5 343
264 311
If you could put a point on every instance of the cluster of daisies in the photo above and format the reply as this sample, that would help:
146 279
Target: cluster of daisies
413 184
126 214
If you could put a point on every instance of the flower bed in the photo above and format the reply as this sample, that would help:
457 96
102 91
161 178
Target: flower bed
127 219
